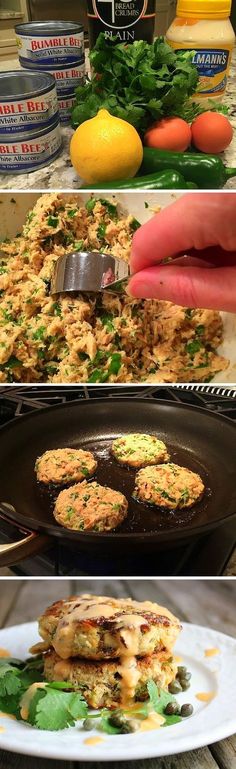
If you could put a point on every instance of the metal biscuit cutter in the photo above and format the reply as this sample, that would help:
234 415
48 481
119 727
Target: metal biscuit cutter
89 272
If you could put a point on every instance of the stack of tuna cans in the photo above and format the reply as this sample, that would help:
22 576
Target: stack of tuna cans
30 135
55 47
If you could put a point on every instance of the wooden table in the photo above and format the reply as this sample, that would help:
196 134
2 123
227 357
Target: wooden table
205 602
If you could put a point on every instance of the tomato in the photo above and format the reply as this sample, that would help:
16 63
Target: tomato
171 133
211 132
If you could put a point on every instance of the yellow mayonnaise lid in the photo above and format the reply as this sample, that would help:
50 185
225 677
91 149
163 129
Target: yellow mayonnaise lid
204 9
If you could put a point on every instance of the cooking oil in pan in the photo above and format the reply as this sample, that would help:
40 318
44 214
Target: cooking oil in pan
141 517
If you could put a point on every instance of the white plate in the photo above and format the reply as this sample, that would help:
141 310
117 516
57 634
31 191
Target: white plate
13 216
211 721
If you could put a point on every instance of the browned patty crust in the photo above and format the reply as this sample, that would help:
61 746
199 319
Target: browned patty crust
65 465
101 682
95 627
90 507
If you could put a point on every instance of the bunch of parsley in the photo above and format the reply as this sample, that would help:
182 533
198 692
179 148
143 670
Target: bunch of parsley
59 705
139 83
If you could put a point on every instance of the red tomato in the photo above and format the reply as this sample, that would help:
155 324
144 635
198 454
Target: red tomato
211 132
171 133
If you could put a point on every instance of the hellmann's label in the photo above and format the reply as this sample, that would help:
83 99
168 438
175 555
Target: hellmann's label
27 114
212 64
51 50
30 154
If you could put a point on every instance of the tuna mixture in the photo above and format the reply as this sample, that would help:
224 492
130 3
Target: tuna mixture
87 339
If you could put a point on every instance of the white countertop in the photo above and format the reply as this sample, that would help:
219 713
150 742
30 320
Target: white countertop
60 175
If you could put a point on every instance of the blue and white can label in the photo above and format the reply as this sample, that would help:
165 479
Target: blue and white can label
65 106
67 79
18 116
50 43
30 153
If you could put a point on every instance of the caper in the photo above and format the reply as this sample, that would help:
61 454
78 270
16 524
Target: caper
172 708
175 687
129 726
116 721
186 710
184 676
184 684
182 670
88 724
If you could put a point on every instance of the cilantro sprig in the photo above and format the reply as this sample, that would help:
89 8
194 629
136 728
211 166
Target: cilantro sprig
138 82
53 706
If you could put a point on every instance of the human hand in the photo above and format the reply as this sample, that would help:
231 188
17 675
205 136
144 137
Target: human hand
203 226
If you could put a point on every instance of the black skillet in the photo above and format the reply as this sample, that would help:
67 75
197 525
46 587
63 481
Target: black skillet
202 441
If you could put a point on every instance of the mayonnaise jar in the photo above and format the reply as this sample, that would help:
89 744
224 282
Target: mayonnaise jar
204 27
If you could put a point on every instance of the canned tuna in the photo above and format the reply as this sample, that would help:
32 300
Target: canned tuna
67 78
50 42
33 151
65 106
28 101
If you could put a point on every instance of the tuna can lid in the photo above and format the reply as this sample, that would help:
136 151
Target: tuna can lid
48 28
23 84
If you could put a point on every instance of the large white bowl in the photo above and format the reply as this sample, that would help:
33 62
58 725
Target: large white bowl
14 208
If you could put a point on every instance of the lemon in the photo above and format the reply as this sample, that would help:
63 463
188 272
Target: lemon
106 148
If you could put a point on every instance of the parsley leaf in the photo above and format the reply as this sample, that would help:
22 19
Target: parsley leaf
9 680
90 205
111 207
55 709
138 83
134 225
107 322
101 231
52 221
193 347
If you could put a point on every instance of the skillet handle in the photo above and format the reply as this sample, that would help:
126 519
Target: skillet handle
31 544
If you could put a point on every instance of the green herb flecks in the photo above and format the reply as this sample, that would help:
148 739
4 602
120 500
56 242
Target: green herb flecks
53 221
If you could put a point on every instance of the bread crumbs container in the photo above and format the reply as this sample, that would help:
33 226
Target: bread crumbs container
50 43
129 20
28 102
31 151
204 27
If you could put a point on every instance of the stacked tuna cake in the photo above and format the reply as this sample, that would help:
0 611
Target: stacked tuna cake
109 647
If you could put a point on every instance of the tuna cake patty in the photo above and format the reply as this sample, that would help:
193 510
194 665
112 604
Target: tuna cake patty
101 682
169 486
100 627
65 465
139 450
90 507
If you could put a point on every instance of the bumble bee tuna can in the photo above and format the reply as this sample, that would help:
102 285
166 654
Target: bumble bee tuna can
31 151
28 101
66 104
50 43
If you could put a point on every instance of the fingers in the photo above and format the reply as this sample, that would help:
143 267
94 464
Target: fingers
194 221
209 288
